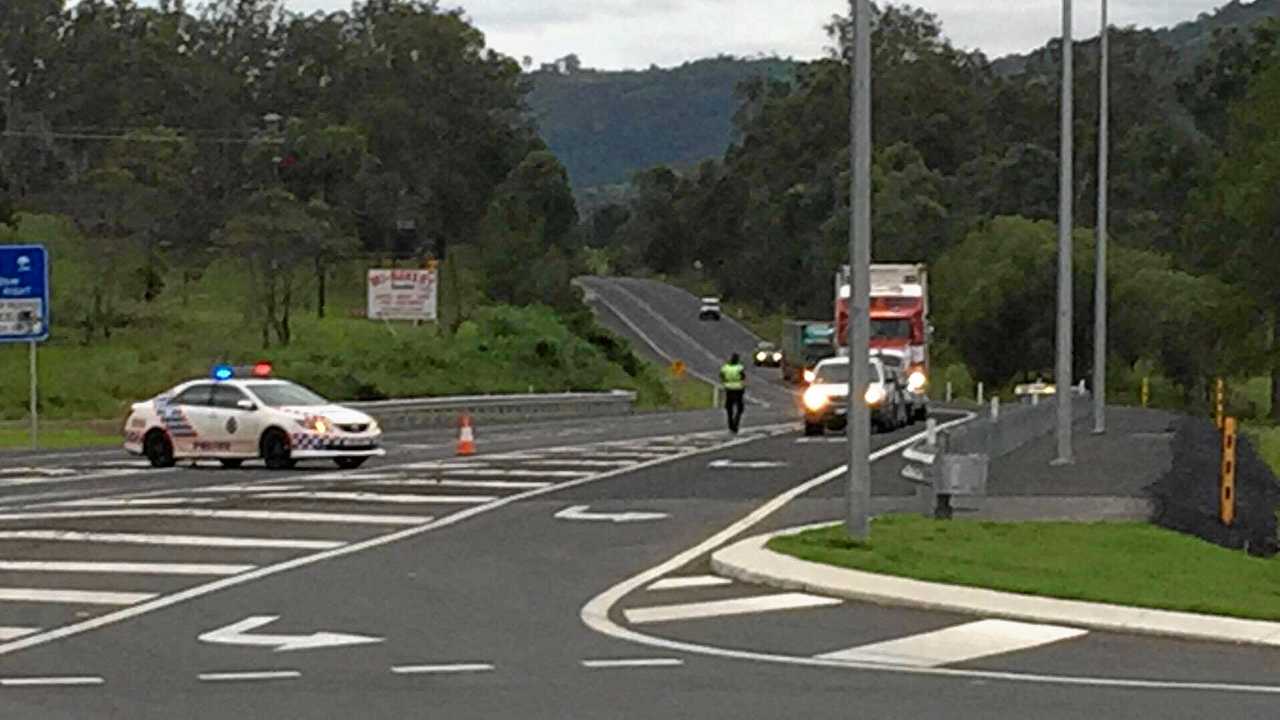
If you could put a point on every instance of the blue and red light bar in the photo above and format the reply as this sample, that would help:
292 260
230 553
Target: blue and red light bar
222 371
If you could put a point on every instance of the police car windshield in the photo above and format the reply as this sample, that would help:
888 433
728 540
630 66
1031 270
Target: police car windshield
286 395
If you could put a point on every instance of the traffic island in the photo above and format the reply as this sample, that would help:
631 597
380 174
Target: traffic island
1123 577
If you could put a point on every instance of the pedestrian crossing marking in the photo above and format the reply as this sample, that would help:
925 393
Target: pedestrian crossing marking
732 606
956 644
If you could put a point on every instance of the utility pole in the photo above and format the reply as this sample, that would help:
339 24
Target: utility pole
858 521
1100 266
1065 187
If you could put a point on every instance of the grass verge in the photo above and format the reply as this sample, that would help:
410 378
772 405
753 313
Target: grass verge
60 436
1119 563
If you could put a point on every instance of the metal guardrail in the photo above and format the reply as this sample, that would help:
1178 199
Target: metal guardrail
414 413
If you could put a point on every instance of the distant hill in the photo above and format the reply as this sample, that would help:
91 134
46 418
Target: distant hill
1190 38
604 126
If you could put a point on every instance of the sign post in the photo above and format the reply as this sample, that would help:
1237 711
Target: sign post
24 309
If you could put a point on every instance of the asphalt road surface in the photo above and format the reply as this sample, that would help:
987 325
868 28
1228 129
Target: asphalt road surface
560 573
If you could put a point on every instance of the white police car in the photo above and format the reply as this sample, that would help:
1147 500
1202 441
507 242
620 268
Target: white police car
243 413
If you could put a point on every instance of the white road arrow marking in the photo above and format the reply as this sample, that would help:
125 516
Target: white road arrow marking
579 512
238 634
725 464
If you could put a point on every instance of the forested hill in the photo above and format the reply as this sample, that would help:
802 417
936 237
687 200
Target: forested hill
1191 39
605 126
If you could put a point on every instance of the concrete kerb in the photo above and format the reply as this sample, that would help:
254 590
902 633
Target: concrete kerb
750 561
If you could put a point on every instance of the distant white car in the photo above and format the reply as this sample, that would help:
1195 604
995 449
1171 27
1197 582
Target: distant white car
244 414
710 309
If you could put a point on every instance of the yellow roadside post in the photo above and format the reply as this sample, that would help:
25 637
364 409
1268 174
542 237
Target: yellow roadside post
1219 402
1146 391
1227 480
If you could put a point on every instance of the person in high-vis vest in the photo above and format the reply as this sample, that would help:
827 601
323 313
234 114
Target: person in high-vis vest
733 378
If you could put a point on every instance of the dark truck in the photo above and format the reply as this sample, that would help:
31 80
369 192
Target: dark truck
804 344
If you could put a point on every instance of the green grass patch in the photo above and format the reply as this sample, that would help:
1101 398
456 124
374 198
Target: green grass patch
688 393
1120 563
60 436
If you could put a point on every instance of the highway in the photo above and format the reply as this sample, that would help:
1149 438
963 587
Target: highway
560 573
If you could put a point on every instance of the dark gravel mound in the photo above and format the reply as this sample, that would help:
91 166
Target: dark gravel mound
1186 498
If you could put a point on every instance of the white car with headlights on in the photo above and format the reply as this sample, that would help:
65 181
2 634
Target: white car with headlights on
916 383
826 400
242 414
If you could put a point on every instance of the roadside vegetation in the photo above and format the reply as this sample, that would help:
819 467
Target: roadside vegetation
964 160
238 224
1120 563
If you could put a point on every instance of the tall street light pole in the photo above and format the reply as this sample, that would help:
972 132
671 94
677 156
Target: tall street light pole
1100 266
1063 375
858 523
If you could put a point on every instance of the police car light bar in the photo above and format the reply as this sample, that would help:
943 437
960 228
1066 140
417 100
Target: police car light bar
226 372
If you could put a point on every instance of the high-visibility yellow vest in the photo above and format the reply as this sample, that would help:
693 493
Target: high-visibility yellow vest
732 376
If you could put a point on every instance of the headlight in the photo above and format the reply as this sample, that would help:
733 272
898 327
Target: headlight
760 356
809 375
916 381
373 427
317 424
777 357
875 394
815 399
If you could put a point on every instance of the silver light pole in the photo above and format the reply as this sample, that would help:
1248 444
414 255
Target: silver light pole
858 522
1100 266
1065 186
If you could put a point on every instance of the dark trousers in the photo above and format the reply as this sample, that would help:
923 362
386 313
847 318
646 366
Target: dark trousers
733 406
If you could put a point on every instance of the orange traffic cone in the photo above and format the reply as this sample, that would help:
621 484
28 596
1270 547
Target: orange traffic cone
466 440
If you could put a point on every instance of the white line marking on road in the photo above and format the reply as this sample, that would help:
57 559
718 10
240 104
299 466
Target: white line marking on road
67 680
957 644
442 465
727 464
481 484
579 512
732 606
244 488
807 440
312 517
175 540
9 633
632 662
74 597
249 675
515 473
571 462
134 502
239 633
387 498
26 480
32 470
198 591
690 581
442 669
139 568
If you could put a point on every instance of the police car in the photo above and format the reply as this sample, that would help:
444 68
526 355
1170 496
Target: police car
244 413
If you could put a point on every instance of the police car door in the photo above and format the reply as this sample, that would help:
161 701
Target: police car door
185 418
236 425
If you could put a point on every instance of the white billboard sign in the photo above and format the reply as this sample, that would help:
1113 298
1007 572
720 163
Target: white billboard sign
402 294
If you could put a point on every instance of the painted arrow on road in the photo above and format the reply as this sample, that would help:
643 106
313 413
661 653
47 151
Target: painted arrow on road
744 464
579 512
238 634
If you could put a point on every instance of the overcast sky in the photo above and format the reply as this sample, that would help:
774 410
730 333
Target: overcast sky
616 34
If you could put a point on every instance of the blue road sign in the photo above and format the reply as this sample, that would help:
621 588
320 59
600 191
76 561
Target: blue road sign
24 293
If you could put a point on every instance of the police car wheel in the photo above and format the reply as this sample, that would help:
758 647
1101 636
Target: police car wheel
275 451
232 464
158 449
349 463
